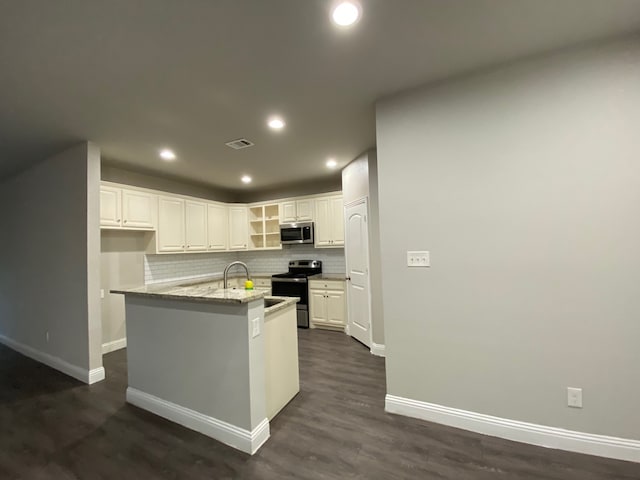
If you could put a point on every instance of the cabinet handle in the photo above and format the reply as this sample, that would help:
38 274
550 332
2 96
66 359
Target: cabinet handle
118 220
125 221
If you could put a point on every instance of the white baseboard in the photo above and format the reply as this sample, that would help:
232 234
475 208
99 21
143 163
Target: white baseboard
377 349
79 373
551 437
96 375
236 437
113 346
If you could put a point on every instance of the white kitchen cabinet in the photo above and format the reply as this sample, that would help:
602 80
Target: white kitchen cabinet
138 209
238 228
327 306
297 211
171 225
110 207
195 226
126 209
329 222
264 227
217 227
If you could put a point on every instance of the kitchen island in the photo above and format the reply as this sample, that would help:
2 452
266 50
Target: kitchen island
205 358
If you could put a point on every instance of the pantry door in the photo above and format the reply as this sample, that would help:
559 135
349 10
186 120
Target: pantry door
357 259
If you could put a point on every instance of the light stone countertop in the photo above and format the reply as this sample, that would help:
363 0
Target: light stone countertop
287 301
202 292
328 276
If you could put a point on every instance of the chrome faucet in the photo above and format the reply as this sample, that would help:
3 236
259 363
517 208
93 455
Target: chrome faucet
226 271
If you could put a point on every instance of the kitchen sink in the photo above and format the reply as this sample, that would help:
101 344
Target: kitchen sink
270 302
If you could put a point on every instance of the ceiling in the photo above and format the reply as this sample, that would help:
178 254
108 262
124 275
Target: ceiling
134 76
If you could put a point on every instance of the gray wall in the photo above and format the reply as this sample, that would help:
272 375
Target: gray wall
360 179
524 184
117 174
48 278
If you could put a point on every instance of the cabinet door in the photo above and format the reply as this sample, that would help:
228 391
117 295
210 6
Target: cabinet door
110 207
170 224
217 226
195 226
137 209
322 223
317 306
335 307
304 210
337 221
288 212
238 228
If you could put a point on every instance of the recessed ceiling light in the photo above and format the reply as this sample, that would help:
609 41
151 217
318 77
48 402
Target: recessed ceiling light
331 163
246 179
276 123
167 154
346 13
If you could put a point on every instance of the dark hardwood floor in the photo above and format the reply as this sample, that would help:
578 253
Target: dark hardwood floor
53 427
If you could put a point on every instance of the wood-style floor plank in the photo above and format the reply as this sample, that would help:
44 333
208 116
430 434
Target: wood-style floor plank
53 427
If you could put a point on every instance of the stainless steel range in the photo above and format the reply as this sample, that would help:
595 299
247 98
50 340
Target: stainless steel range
294 283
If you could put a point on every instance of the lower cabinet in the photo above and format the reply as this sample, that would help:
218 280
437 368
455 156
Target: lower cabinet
327 306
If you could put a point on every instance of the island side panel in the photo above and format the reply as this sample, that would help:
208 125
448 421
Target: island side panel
281 359
193 354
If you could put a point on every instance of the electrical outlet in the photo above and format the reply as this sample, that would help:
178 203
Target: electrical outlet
102 293
256 327
418 259
574 397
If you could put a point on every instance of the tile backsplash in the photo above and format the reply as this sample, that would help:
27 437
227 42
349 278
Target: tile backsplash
277 261
163 268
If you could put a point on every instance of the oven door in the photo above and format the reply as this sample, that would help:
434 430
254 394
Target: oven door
291 287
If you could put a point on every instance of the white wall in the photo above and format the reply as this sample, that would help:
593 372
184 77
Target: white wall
524 184
49 258
122 259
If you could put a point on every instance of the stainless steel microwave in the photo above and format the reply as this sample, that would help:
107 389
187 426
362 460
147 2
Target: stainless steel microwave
300 232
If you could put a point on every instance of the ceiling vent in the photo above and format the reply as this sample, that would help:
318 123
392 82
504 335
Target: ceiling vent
239 144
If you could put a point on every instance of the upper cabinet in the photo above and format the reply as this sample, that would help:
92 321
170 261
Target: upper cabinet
110 207
297 211
190 225
329 221
217 227
195 232
138 209
127 209
264 227
171 225
238 228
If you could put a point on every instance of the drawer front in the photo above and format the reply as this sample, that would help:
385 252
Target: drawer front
326 284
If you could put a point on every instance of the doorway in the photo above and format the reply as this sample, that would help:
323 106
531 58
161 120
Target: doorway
357 261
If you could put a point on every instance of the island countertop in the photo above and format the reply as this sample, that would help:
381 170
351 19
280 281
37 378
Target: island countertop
200 292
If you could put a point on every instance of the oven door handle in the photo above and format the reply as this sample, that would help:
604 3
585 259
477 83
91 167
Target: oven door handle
288 280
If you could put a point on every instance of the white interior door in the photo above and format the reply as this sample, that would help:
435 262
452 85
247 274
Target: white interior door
357 258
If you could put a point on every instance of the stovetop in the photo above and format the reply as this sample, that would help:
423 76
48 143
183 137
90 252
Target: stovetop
290 275
301 269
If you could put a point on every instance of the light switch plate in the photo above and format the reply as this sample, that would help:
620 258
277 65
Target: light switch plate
102 293
574 397
418 259
256 327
